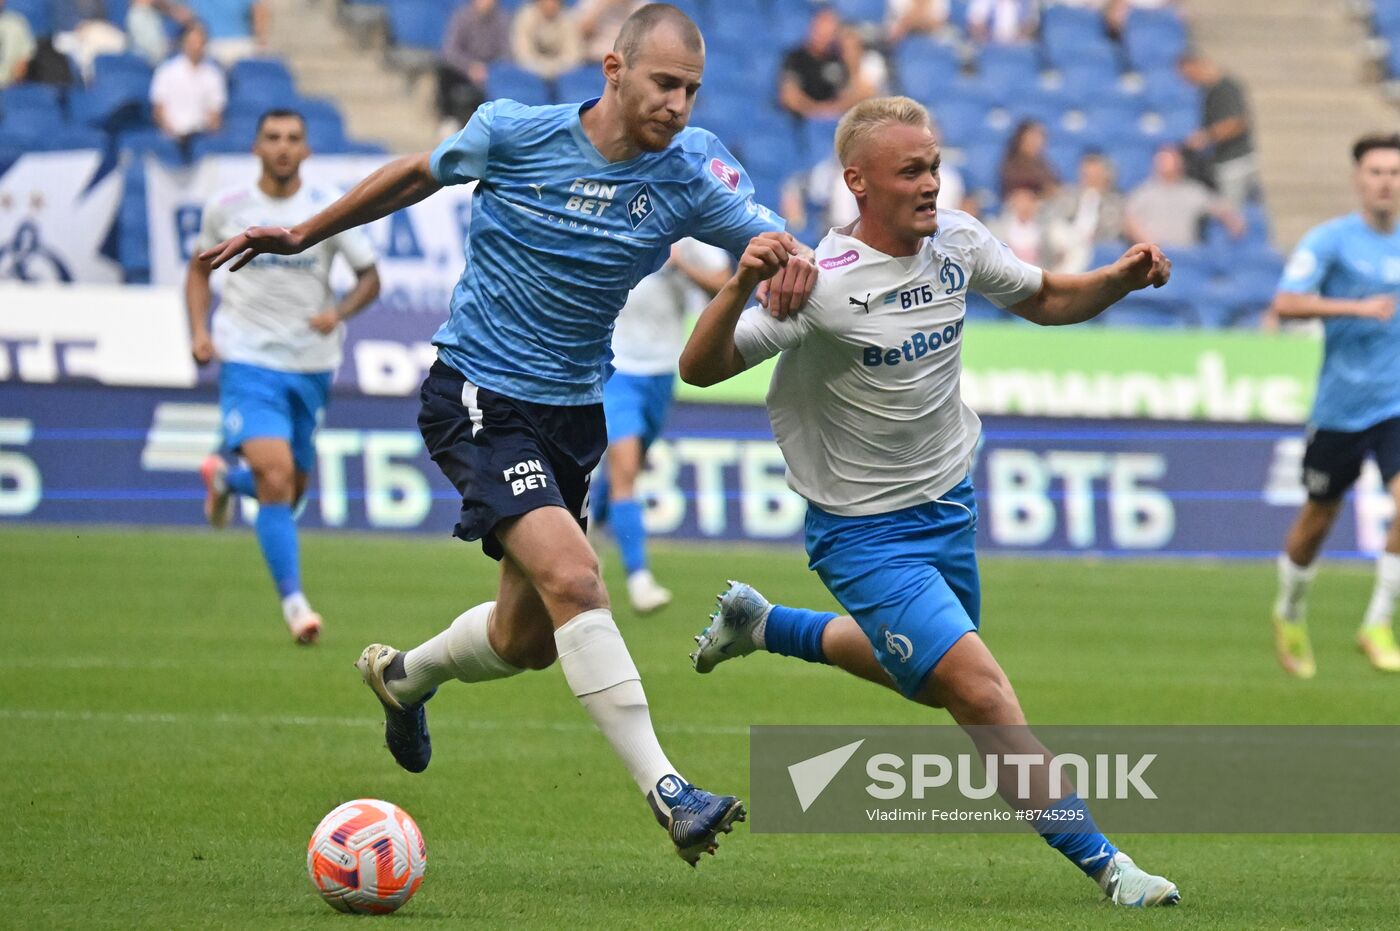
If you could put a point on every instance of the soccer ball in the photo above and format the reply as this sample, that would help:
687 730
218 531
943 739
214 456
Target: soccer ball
367 856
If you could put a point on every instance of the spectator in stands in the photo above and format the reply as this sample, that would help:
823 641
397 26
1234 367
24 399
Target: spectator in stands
1022 228
477 35
1225 136
1170 209
83 32
237 28
870 72
544 39
145 27
188 92
818 78
16 46
1084 215
1024 164
599 22
1002 22
915 17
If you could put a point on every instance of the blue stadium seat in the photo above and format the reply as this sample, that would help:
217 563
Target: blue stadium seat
926 68
24 111
861 11
1152 308
1152 46
819 136
1088 77
515 83
1167 90
325 130
1133 161
1064 48
981 169
124 68
583 83
66 138
416 24
113 108
959 121
37 12
260 70
1009 67
1071 19
220 143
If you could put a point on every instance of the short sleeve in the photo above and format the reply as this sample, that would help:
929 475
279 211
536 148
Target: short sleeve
998 275
759 336
461 158
355 246
1309 263
725 212
210 222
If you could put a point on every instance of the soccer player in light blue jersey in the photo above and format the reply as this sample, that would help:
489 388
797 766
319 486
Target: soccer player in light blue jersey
1346 273
278 332
574 205
865 406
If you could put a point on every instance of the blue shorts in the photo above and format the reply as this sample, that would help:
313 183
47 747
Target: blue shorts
637 405
508 457
908 577
258 403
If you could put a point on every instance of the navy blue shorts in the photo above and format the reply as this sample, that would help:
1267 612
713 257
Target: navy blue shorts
508 457
1333 458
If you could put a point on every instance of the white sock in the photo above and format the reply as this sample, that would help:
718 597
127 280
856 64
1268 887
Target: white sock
462 651
1293 582
605 680
1382 604
294 606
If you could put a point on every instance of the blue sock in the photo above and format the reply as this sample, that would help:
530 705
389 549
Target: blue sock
626 519
277 535
598 498
1085 847
240 482
796 632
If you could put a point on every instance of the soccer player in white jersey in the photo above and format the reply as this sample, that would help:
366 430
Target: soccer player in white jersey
865 405
647 340
1346 273
575 204
278 333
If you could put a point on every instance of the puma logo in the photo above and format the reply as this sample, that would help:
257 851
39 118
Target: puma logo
539 190
863 305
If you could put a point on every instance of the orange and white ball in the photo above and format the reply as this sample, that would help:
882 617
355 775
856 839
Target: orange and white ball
366 856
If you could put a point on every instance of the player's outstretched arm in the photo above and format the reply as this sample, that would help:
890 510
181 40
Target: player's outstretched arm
710 355
1067 299
401 183
198 298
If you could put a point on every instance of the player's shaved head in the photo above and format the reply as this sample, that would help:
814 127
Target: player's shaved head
641 24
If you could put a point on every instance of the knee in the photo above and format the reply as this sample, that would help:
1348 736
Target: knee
984 699
276 483
573 588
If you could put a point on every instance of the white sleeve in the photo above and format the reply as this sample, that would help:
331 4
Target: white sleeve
759 336
356 247
997 274
210 223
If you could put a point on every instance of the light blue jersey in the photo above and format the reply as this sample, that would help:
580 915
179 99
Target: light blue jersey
1360 381
559 236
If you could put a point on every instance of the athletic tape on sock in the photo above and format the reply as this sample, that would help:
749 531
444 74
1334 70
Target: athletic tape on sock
593 654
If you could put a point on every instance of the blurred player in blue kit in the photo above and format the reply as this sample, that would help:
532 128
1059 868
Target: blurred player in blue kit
1346 273
646 342
866 408
279 333
575 204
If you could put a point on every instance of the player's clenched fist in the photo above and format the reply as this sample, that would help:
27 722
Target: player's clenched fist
1144 265
764 256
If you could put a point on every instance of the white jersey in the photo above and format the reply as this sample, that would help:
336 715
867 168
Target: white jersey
865 400
265 312
650 329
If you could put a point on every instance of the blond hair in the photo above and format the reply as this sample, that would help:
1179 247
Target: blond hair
865 118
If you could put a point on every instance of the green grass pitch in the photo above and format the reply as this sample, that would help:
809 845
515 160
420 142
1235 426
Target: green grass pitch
167 750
